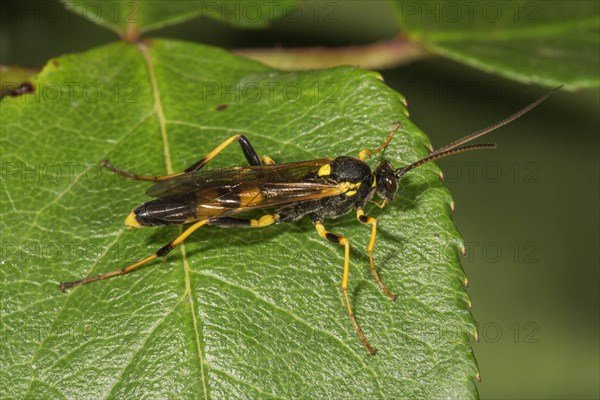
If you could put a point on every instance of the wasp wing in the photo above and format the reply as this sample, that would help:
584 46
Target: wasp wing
226 177
225 192
242 199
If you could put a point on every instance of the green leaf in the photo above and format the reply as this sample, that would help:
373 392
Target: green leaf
131 18
552 43
231 313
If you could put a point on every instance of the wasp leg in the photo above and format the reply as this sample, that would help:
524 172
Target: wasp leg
367 152
247 148
229 222
131 175
332 237
266 160
380 205
365 219
163 251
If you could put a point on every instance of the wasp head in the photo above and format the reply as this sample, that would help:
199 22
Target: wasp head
386 180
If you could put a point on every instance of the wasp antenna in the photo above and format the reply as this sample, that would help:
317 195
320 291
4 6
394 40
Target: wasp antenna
497 125
455 147
437 155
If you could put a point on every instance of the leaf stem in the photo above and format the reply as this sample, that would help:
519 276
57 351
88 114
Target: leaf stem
380 55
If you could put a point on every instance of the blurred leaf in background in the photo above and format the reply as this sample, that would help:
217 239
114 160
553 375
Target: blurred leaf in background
547 42
129 18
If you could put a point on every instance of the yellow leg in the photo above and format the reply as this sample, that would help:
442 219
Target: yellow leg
247 148
127 174
263 221
380 205
332 237
365 219
362 155
206 159
163 251
230 222
266 160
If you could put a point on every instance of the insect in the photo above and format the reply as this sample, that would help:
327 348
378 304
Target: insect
320 189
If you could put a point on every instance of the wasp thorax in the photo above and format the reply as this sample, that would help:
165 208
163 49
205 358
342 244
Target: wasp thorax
387 183
348 169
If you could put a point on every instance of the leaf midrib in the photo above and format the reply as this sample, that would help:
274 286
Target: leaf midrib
158 109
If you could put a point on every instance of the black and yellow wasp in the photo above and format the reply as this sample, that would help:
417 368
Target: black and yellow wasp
320 189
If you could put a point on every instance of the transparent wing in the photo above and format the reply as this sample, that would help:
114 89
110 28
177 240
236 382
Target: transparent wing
222 179
225 192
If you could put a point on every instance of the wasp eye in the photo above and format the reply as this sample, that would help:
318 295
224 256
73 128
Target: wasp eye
390 185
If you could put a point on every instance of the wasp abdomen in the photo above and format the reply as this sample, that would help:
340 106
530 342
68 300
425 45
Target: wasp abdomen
162 212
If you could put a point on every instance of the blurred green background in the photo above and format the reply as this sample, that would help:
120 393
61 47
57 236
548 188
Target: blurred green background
529 211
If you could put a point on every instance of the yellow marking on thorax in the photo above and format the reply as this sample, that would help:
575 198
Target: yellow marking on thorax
324 170
374 181
349 188
344 186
